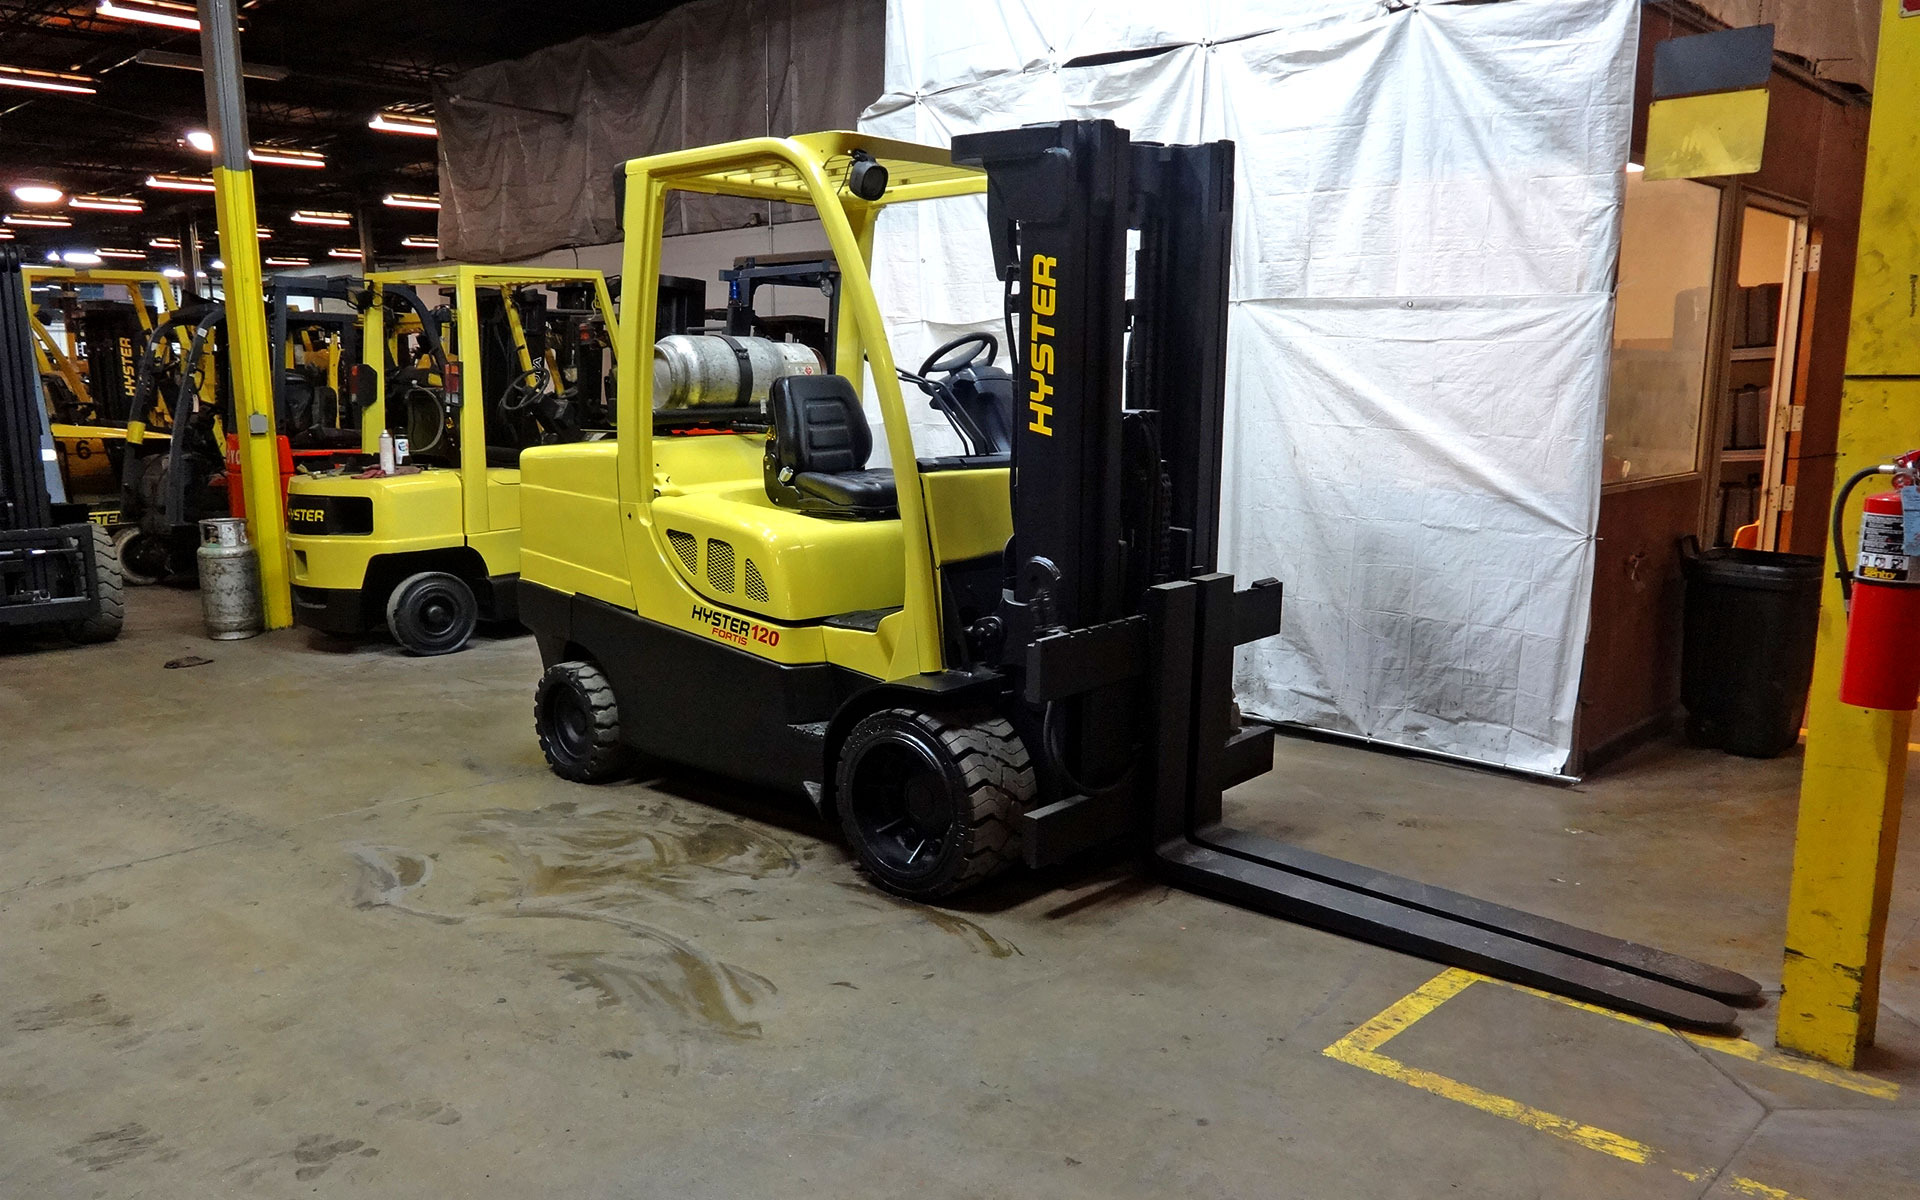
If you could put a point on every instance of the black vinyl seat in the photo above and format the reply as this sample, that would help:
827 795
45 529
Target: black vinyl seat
817 457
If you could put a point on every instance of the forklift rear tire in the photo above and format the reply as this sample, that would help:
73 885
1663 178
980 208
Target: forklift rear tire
103 626
928 799
578 721
432 613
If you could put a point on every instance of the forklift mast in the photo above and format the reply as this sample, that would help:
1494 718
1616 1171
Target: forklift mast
1116 624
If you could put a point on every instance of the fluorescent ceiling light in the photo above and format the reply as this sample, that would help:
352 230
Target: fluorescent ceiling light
191 62
262 232
173 272
311 217
115 252
343 252
410 200
42 220
46 81
80 258
217 265
164 243
388 121
38 193
276 156
289 262
180 183
119 204
200 140
1634 168
151 12
420 243
6 235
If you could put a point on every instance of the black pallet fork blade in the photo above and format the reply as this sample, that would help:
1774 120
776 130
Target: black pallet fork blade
1195 626
1632 957
1359 914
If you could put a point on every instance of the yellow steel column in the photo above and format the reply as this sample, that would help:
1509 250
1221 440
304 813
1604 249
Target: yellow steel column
1854 777
246 307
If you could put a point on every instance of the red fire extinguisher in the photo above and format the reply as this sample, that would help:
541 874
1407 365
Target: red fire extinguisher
1882 589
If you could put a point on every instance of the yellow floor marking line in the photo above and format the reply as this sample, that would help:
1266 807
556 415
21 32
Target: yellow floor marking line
1361 1048
1753 1187
1591 1136
1732 1045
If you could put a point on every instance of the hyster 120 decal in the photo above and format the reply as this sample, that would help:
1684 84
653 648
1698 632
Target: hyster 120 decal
738 630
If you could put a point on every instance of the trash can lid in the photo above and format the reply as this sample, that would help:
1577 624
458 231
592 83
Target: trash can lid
1761 569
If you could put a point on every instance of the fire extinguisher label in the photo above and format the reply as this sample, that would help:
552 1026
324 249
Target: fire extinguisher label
1910 513
1883 548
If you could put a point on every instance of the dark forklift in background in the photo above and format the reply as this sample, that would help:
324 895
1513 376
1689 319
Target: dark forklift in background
56 567
1017 653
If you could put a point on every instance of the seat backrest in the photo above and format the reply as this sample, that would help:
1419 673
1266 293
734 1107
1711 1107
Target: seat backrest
818 425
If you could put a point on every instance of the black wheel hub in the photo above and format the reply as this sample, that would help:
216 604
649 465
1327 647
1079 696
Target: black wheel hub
439 613
902 806
145 555
569 724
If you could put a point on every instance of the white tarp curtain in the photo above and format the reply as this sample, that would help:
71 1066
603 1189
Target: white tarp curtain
1427 204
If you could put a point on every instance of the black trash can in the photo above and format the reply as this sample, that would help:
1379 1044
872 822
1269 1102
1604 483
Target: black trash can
1747 648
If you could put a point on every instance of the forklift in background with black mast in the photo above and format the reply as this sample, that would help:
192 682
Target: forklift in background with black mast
56 566
1021 652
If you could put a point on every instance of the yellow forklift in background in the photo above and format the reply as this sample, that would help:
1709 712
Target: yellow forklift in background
89 369
463 368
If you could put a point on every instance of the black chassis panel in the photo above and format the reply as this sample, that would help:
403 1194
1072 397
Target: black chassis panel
693 700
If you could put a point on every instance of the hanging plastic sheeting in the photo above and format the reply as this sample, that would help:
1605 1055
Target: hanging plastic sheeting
529 148
1427 218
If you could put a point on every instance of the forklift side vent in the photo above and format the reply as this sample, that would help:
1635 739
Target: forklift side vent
686 548
756 586
720 564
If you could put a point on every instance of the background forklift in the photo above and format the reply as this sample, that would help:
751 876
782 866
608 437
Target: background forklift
1020 652
515 356
90 328
56 567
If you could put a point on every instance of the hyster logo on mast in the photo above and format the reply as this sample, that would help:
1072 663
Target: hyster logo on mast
1044 300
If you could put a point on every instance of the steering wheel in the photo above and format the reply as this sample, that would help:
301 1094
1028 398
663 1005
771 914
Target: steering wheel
526 387
961 353
426 415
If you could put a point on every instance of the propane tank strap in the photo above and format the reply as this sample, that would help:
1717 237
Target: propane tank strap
744 396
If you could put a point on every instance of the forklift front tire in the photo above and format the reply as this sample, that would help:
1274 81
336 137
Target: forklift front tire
928 799
578 721
103 626
432 613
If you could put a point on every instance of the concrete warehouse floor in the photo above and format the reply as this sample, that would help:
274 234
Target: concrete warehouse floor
313 918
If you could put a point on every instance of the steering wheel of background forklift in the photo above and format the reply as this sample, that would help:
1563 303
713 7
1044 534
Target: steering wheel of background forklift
527 387
426 410
949 358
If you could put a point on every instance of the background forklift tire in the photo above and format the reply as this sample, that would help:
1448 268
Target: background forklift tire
432 613
103 626
143 557
928 799
578 721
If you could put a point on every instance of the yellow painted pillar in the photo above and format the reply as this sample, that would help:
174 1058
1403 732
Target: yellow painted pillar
1854 777
246 307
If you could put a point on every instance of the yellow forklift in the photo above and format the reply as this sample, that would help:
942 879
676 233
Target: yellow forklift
89 371
427 538
1015 653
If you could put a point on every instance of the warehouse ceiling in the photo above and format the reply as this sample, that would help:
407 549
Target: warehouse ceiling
330 66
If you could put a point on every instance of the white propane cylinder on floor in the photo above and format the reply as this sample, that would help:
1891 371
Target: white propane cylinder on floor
229 579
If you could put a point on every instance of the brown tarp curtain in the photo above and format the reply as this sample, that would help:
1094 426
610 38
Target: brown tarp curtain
529 148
